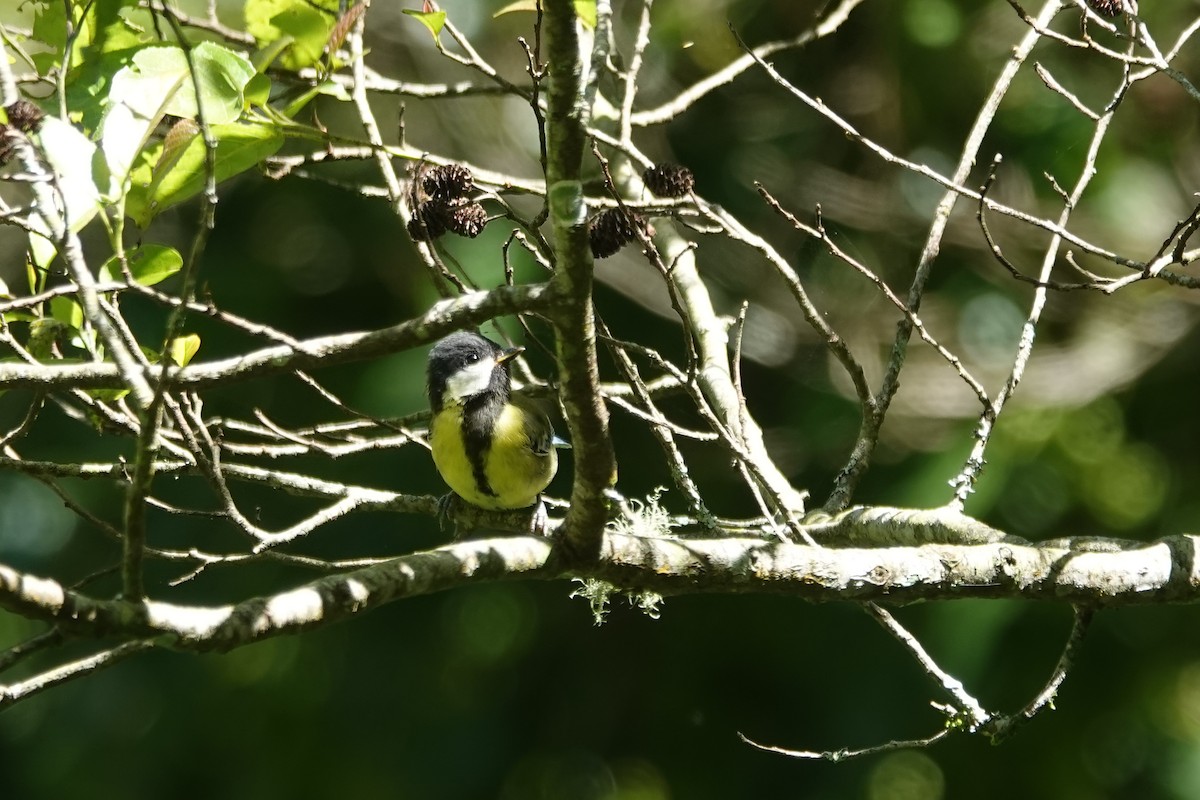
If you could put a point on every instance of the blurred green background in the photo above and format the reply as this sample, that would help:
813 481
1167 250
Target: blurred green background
510 691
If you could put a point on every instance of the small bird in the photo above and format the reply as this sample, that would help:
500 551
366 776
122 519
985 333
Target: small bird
495 451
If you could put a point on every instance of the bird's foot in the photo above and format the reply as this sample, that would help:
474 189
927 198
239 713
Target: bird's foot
446 507
539 522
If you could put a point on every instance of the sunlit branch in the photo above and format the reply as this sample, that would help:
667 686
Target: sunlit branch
969 709
1002 727
964 482
442 318
686 99
819 233
574 318
845 753
1087 571
864 446
51 210
82 668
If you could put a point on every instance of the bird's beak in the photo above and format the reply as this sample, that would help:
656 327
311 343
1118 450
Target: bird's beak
509 354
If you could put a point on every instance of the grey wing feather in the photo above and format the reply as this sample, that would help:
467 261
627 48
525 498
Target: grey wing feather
537 427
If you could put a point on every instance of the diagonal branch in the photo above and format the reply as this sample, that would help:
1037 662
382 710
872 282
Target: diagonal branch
76 669
687 98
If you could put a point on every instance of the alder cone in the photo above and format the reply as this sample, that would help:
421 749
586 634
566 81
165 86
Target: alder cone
1107 8
611 230
669 180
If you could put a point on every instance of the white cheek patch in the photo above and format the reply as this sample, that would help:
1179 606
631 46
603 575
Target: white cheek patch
470 380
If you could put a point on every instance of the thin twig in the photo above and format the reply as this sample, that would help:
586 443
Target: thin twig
845 754
969 709
1002 727
15 692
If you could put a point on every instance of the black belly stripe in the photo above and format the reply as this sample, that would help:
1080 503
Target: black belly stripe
478 420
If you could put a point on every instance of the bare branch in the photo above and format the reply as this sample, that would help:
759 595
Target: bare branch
668 111
1086 571
442 318
845 754
1002 727
82 668
575 327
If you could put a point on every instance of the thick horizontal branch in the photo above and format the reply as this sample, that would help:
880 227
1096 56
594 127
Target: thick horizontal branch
1083 571
442 318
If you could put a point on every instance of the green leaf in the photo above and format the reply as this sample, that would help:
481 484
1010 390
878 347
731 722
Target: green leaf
520 5
66 311
110 30
175 144
309 31
43 334
434 20
50 29
584 9
159 82
258 91
223 77
20 316
149 264
327 88
265 56
90 84
239 147
335 90
105 41
123 133
12 43
104 396
69 154
182 349
306 23
33 274
296 104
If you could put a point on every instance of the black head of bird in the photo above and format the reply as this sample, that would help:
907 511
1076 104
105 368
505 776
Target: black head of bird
493 450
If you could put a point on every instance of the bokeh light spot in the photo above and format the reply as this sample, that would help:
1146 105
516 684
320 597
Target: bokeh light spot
907 775
933 23
35 522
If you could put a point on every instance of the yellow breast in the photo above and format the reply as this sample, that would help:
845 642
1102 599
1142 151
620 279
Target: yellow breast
513 473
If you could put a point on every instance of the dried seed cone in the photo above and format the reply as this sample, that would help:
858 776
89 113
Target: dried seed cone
466 220
612 229
427 222
433 218
24 116
669 180
7 143
1107 8
449 182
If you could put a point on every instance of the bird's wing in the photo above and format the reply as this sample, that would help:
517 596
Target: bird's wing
540 434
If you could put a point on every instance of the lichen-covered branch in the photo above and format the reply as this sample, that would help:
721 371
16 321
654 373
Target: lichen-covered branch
1088 572
587 417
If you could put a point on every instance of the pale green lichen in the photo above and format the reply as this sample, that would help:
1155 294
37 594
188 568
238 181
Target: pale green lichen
648 519
646 601
598 594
